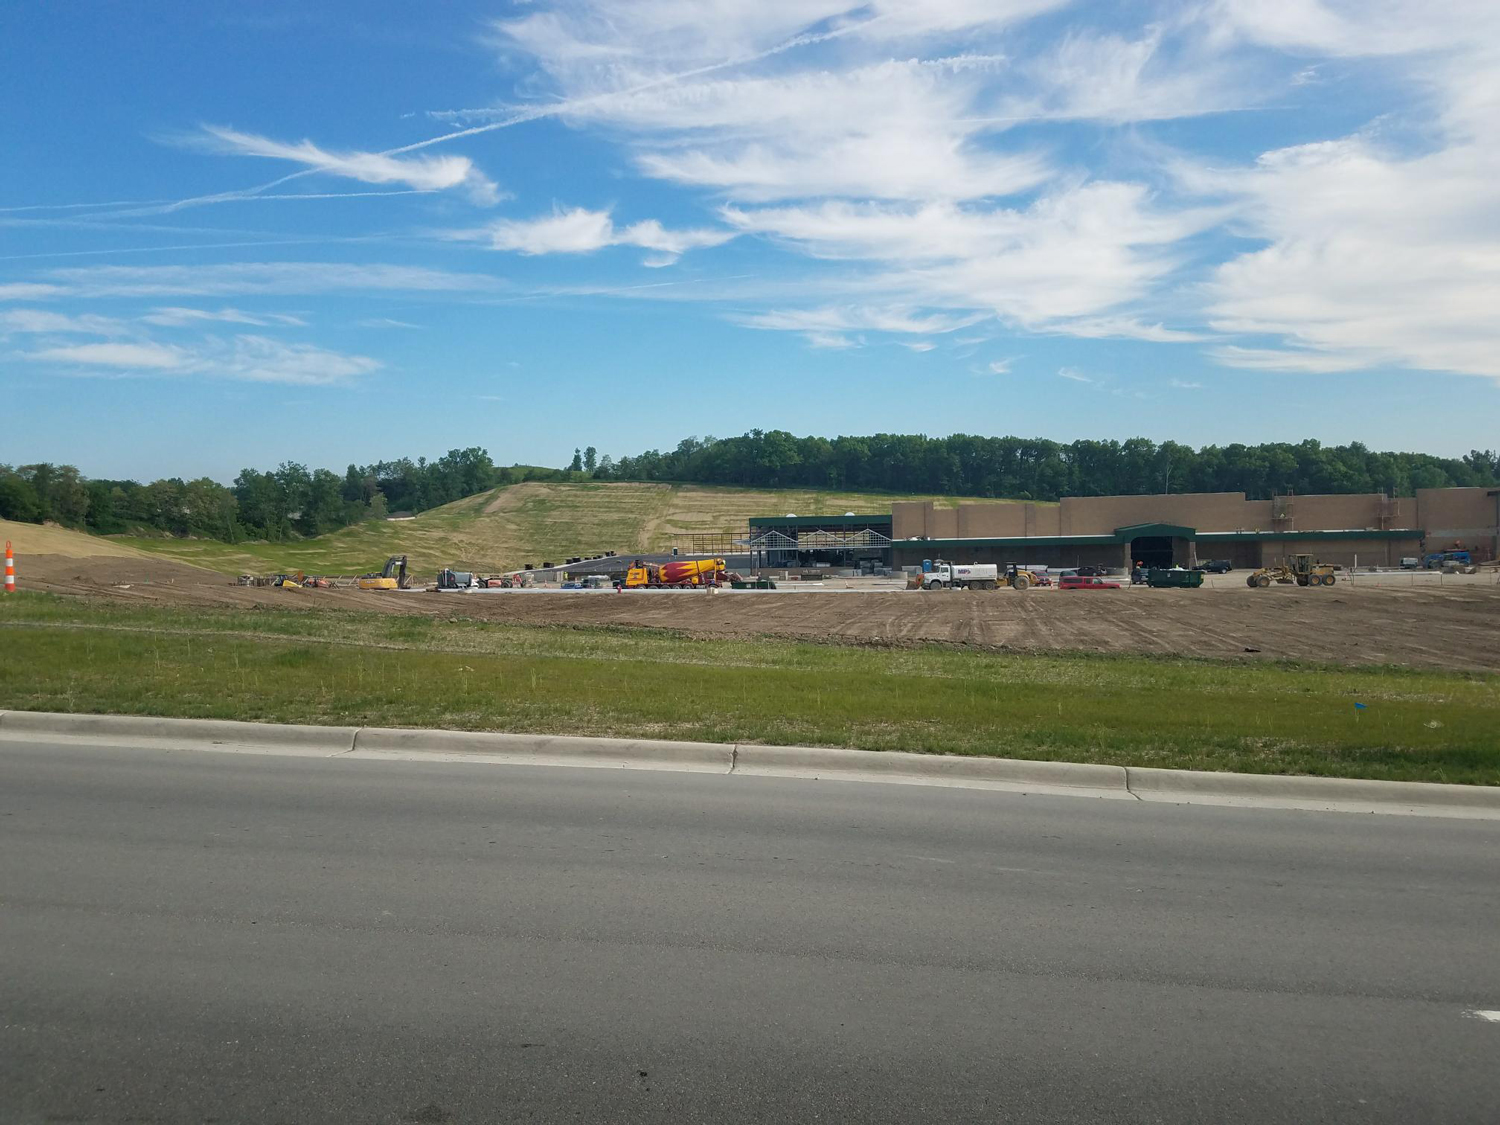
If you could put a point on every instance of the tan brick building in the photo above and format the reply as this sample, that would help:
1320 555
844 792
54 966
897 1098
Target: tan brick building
1182 529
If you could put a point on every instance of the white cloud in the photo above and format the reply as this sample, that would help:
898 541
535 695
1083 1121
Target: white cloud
1371 257
678 79
575 231
1128 328
263 360
1074 374
578 230
40 321
1290 359
829 340
1000 366
422 173
1183 385
883 135
920 346
1344 28
651 235
177 317
855 318
385 322
1171 69
245 278
27 291
871 153
1381 248
248 358
880 144
154 357
1068 259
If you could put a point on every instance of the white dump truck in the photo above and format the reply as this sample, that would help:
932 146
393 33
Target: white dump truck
944 576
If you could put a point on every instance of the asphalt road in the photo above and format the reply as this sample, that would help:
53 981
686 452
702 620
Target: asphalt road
188 937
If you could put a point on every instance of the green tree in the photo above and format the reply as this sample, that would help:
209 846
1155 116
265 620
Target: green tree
323 510
18 499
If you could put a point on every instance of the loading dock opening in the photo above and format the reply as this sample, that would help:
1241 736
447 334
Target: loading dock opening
1152 551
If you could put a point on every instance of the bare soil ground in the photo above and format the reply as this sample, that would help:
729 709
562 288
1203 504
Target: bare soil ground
1454 626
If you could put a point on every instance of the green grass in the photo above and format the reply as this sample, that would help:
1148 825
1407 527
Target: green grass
382 670
534 522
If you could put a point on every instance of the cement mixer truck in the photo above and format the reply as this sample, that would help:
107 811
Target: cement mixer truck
687 574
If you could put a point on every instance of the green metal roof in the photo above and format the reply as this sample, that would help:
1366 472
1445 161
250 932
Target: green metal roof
881 520
1008 541
1163 530
1125 534
1342 533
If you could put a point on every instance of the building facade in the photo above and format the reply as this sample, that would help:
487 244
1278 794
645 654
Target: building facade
1118 531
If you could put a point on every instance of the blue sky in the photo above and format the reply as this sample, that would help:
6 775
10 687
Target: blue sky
235 234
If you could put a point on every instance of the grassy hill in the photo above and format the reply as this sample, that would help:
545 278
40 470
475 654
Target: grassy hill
522 523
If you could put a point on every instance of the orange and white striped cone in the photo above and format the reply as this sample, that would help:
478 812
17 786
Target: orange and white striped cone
10 569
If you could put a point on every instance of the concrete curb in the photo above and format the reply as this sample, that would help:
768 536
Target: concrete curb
221 734
932 769
1016 775
1203 787
537 749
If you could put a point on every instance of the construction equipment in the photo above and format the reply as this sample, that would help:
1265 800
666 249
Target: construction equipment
684 575
1303 570
1439 560
1019 578
948 576
392 576
458 580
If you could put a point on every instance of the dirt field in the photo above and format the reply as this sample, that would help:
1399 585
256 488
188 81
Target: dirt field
1453 626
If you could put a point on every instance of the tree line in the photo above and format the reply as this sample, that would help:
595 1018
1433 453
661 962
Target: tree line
1037 469
275 504
292 500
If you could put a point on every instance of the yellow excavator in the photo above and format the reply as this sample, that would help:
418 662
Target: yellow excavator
392 576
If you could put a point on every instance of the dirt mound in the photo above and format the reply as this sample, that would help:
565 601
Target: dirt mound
34 539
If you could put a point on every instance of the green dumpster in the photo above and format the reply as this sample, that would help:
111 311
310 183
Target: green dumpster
1174 579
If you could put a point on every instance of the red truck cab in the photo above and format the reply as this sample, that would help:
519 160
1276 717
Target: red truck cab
1085 582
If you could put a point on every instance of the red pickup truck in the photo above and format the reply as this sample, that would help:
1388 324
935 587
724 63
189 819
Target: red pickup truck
1085 582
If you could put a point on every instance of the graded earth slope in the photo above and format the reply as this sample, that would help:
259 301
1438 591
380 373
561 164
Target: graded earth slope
55 560
534 522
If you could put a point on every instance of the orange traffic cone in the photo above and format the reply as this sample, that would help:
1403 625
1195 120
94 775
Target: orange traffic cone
10 569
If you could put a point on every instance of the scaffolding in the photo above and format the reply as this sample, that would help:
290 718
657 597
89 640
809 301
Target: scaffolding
816 545
809 546
1283 513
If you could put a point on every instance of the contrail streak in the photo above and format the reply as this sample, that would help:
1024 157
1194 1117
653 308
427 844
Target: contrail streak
520 118
804 40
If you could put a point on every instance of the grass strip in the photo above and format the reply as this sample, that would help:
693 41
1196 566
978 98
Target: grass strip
69 654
